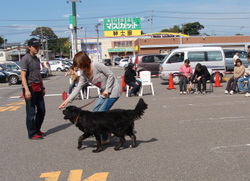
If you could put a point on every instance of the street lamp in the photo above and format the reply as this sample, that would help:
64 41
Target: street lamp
97 31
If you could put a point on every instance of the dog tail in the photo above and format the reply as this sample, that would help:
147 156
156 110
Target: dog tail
139 109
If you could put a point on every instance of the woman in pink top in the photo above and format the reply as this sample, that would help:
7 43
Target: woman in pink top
185 75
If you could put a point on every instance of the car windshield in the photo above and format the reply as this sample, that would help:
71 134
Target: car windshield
5 68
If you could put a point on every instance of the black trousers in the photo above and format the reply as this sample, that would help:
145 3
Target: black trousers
232 84
202 81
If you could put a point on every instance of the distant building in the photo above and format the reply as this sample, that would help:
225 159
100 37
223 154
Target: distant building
125 46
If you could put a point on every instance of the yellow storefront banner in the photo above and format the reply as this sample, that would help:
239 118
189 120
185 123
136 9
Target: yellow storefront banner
122 33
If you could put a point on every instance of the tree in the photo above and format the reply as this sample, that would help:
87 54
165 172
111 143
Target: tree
62 46
188 28
46 33
1 40
174 29
192 28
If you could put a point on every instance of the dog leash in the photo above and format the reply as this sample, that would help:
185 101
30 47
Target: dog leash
88 104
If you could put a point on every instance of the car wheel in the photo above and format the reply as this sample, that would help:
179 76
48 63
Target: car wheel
59 69
66 69
176 79
13 79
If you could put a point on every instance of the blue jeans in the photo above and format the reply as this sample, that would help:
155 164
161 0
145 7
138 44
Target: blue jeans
183 84
71 86
241 85
135 87
104 104
35 112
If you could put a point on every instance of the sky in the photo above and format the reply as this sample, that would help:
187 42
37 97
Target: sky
18 18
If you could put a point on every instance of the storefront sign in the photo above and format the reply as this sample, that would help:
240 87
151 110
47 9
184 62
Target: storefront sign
122 27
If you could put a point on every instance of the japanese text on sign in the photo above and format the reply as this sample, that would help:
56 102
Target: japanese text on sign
112 24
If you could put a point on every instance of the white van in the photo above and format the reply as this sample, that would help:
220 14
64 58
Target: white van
212 57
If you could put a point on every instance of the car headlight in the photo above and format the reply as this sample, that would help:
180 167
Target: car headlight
1 73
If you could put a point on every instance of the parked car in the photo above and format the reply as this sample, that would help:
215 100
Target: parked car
149 62
43 70
14 77
12 65
58 65
47 65
107 62
212 57
229 54
123 63
68 62
3 76
116 60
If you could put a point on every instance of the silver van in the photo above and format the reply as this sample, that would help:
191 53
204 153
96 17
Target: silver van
212 57
229 54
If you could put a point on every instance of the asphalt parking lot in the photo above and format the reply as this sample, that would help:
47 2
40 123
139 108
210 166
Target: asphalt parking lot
191 137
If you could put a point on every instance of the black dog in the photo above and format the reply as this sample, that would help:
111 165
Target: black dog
120 122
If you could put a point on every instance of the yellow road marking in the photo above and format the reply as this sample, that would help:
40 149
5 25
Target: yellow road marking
51 176
10 108
98 177
75 175
16 103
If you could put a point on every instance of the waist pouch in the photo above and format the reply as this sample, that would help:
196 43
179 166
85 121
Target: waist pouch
36 87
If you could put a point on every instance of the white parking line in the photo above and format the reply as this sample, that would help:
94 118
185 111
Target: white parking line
47 95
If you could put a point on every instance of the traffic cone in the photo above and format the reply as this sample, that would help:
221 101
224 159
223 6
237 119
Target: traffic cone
123 84
217 80
171 82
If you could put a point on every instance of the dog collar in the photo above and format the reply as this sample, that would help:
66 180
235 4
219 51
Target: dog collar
77 118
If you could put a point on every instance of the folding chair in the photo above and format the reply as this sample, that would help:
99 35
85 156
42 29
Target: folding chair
92 87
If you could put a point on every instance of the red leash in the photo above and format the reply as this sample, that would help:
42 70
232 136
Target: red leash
88 103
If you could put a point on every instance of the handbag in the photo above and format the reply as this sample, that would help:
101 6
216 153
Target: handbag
36 87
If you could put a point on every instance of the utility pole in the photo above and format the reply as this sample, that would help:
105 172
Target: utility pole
73 27
152 21
97 31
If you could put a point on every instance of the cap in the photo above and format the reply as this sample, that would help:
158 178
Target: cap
34 42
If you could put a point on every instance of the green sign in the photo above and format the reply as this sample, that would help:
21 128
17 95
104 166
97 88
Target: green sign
113 24
121 49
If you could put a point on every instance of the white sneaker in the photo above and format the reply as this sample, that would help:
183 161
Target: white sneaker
185 93
226 91
198 92
181 93
231 92
247 94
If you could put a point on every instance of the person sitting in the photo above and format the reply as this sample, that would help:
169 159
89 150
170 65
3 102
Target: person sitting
130 80
185 71
73 78
244 79
201 76
239 71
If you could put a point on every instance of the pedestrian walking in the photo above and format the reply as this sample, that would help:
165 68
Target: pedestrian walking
33 90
